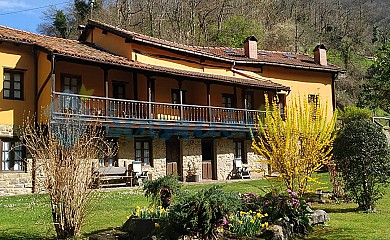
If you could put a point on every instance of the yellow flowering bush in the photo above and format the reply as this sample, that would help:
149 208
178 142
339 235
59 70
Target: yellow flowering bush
245 223
149 212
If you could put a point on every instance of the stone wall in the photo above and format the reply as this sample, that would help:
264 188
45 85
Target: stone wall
258 168
191 151
6 131
225 158
13 183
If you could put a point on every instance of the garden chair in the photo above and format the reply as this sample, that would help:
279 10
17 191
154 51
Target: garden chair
240 171
138 173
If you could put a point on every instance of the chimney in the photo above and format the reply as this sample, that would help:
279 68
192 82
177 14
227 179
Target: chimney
80 28
250 47
320 55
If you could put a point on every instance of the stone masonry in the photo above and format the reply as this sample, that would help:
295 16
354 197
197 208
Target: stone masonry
192 152
13 183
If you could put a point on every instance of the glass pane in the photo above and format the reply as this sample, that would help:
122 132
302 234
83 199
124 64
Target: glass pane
5 166
66 81
146 154
74 81
110 162
5 156
138 145
6 146
146 145
17 166
17 94
6 93
7 84
16 85
101 162
146 161
17 77
7 76
75 90
138 154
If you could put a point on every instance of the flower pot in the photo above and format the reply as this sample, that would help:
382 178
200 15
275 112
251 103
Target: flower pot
192 178
141 228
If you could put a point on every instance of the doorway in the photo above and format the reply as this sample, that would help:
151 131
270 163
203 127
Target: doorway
173 157
208 160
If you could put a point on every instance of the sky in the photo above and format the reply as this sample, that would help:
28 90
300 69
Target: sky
26 14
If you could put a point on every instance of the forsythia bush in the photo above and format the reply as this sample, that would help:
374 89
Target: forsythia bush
297 144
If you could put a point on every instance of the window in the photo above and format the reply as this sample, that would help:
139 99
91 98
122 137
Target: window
312 98
227 100
109 161
71 84
12 155
118 90
281 103
176 96
249 100
143 152
239 152
13 85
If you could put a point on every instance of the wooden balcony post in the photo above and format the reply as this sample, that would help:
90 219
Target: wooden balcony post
149 93
209 100
181 100
246 110
105 76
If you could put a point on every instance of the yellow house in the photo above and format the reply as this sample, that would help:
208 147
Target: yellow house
168 105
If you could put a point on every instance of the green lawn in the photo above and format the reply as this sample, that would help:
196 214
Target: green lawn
28 216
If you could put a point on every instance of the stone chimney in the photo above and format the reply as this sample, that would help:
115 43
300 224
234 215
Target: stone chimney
250 47
320 55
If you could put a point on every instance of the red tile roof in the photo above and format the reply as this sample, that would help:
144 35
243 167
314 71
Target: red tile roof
286 59
83 51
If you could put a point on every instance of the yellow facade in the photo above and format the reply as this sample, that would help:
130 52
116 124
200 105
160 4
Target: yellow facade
20 58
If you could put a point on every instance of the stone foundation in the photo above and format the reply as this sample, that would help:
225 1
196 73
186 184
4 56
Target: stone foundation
192 152
13 183
225 158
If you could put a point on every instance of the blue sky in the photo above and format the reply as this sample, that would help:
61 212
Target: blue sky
26 20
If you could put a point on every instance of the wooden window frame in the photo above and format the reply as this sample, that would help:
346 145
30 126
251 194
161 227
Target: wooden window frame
177 91
11 89
64 75
115 85
23 164
243 150
233 99
252 102
142 141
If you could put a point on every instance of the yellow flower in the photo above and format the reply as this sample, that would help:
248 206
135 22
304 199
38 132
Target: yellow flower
258 215
262 225
230 225
266 224
239 222
156 225
266 215
231 217
252 221
242 213
138 207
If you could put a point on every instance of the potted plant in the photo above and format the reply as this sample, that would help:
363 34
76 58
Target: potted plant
192 172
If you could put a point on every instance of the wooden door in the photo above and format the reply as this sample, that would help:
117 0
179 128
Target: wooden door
173 157
207 159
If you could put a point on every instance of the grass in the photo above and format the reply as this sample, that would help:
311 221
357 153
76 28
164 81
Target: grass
29 217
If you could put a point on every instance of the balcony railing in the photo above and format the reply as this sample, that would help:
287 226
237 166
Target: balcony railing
134 111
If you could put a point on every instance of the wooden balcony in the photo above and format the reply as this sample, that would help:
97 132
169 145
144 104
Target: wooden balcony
135 113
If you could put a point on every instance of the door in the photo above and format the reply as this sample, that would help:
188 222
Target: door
207 159
173 157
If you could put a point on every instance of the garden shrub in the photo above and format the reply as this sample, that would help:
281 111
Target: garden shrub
361 154
352 113
203 212
162 190
288 208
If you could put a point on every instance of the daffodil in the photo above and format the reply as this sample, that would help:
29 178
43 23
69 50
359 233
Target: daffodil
156 225
239 222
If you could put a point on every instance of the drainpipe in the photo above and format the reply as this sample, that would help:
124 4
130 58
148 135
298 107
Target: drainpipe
33 174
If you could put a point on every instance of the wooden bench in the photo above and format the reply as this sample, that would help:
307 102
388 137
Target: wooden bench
113 177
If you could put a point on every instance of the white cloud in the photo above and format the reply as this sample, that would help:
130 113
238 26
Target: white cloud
13 5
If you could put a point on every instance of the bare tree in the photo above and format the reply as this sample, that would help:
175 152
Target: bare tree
65 152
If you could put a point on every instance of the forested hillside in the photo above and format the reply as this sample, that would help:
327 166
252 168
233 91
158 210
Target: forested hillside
352 30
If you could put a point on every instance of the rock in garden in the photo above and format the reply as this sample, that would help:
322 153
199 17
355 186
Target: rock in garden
319 217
